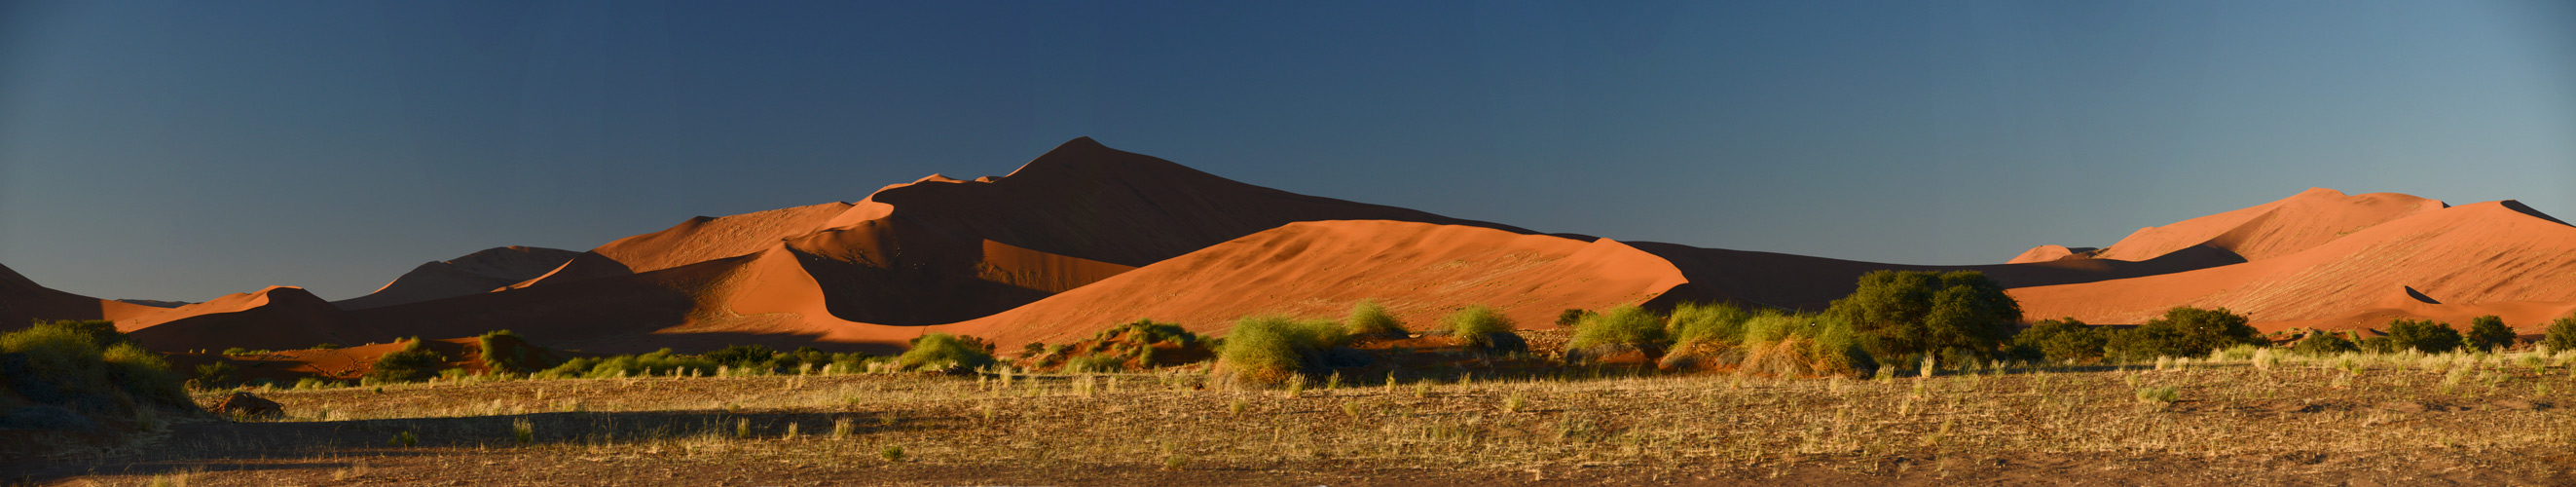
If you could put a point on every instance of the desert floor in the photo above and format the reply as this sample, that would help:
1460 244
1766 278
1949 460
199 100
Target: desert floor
2353 420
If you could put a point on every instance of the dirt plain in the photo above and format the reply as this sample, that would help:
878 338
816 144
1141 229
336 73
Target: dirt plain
2267 420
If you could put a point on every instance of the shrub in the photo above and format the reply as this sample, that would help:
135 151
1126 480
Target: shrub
331 346
84 358
513 353
2488 333
2423 335
742 356
411 363
2061 340
1912 314
1567 318
2325 344
939 351
2184 332
1272 350
218 375
1627 324
1719 323
1785 345
659 362
2562 334
1474 328
1369 318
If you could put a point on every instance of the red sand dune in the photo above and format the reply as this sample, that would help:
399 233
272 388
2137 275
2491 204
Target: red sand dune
1086 237
1319 269
2273 229
2051 253
2470 255
937 250
23 302
477 272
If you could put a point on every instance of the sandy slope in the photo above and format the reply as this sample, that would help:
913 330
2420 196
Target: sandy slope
1319 269
2482 253
477 272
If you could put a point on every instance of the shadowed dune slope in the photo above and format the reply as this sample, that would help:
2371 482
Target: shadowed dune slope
278 317
1319 269
2482 253
23 302
1810 283
478 272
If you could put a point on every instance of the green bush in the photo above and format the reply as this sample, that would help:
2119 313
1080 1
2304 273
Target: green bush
218 375
1567 318
2184 332
413 362
1627 324
2061 340
1912 314
1472 325
1272 350
1796 345
89 357
1369 318
660 362
2423 335
2325 344
2562 334
2488 333
941 351
1719 323
514 356
742 357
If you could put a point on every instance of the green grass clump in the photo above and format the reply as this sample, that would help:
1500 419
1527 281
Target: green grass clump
941 351
1273 350
1627 324
1471 326
1719 323
1370 318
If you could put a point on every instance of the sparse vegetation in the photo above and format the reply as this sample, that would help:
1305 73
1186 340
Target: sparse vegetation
2325 344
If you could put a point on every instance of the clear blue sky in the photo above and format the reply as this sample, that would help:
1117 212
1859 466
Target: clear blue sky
183 150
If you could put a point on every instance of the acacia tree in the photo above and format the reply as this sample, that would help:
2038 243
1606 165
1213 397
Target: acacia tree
1910 314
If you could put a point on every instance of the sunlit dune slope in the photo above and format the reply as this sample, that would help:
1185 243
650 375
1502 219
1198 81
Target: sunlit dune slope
2482 253
1319 269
